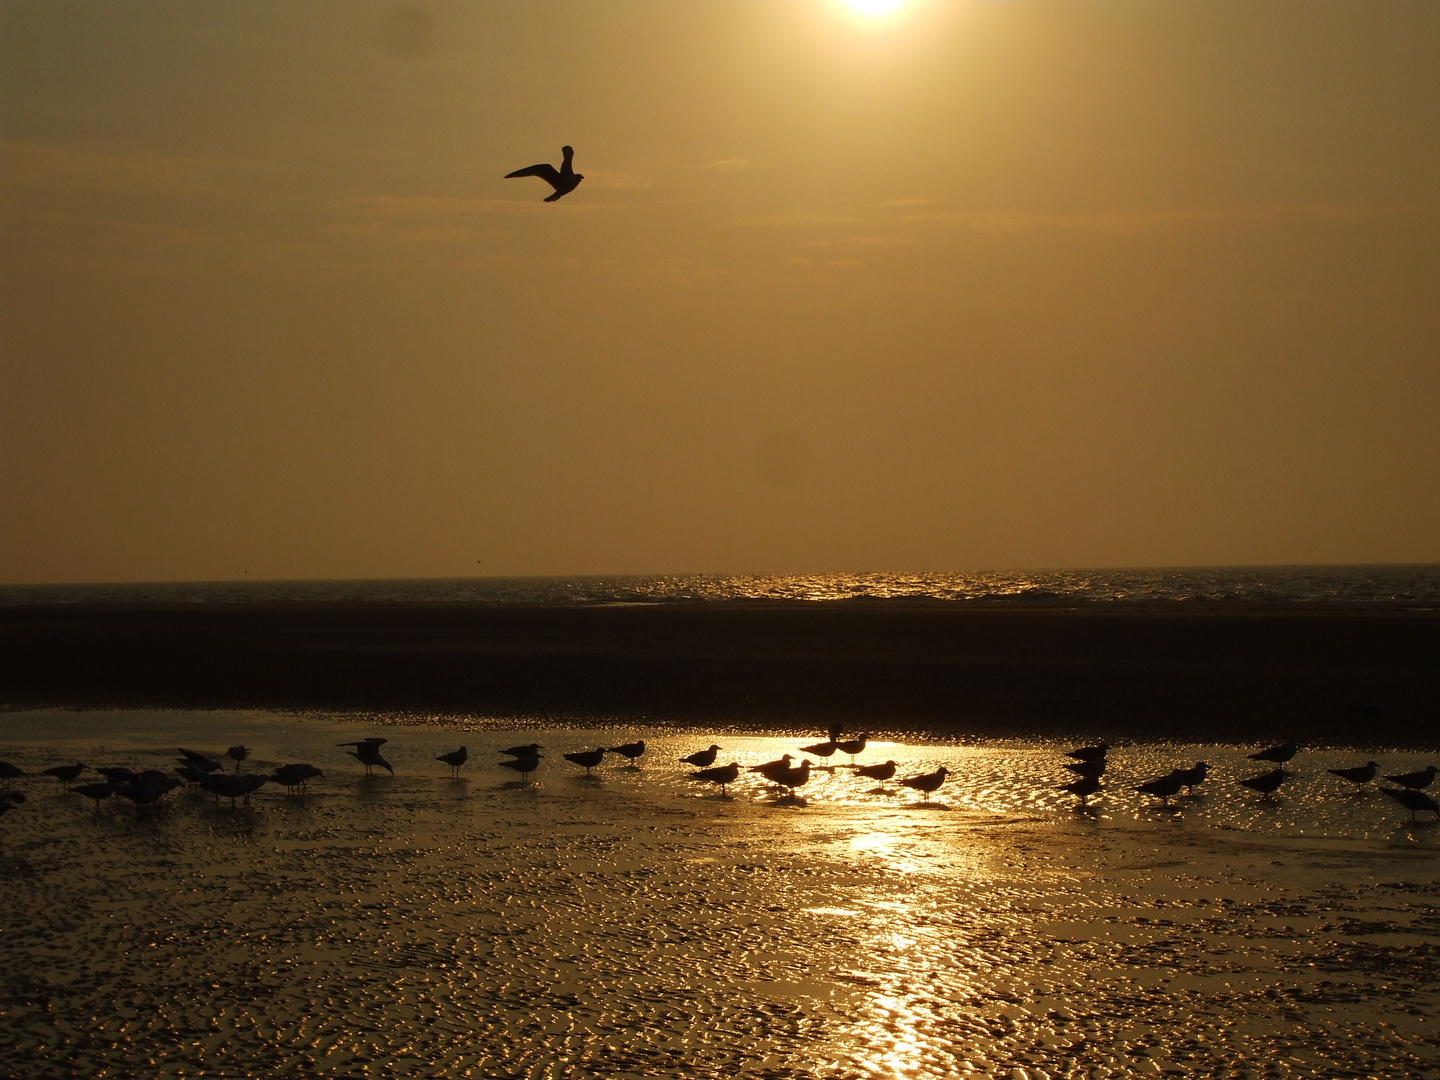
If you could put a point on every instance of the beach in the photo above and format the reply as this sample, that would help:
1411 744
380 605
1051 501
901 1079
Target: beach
635 923
1346 673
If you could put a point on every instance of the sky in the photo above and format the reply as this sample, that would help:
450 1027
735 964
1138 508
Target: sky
970 284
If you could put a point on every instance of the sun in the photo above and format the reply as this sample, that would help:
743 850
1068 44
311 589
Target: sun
875 9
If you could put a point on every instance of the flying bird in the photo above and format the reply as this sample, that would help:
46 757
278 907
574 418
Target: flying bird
455 758
588 759
702 759
1278 754
1360 774
724 775
564 180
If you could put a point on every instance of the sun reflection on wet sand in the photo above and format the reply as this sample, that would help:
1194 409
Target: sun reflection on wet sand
640 925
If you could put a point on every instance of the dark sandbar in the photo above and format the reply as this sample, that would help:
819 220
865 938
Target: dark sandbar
1344 673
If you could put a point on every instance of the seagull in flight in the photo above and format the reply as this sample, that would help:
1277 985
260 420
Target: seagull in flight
564 180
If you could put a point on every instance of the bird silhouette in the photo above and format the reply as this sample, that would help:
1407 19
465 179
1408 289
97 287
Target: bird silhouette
1091 768
1193 775
292 777
367 752
853 746
523 765
238 754
1415 780
455 758
1089 753
200 760
1165 787
1413 800
881 772
588 759
564 180
528 750
927 783
117 774
631 750
66 774
1278 754
10 772
795 777
702 759
95 791
724 775
1084 787
821 749
773 770
1265 783
1360 774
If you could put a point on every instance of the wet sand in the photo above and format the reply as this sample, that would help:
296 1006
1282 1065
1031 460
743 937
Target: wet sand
635 924
1187 670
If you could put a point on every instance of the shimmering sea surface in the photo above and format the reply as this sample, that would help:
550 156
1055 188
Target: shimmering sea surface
1410 584
637 924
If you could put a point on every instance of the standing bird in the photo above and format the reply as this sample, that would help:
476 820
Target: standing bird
1193 775
631 750
853 746
773 770
200 760
1092 769
564 181
95 791
291 777
10 772
238 754
927 783
1089 753
724 775
1413 800
66 774
1265 783
523 765
702 759
1165 787
455 758
796 777
1414 780
877 772
587 758
531 749
367 752
1084 787
821 749
1360 774
1278 754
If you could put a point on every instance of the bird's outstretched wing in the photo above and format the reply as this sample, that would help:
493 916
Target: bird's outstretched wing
543 171
566 168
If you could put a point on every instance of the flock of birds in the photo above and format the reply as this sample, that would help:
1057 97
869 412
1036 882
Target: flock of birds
1089 763
201 772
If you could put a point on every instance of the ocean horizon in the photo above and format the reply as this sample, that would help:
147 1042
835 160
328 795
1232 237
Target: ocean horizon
1403 583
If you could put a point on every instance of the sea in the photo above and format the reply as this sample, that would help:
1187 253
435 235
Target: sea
1416 585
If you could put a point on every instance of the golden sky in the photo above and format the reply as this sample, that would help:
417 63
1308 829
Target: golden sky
981 283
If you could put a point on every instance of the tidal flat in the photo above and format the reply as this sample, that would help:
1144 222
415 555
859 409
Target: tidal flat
635 923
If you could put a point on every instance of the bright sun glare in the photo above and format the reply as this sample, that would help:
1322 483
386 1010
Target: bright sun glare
875 9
